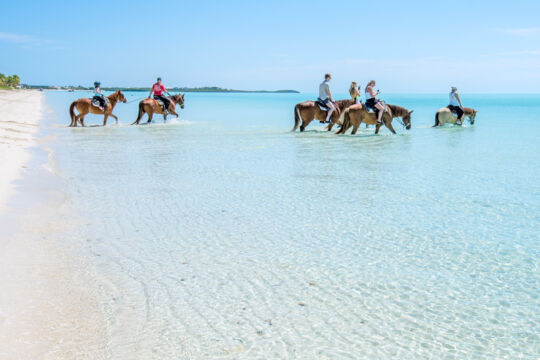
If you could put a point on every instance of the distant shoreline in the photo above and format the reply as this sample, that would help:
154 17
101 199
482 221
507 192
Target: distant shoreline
206 89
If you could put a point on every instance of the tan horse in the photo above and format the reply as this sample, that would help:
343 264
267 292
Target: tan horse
151 107
84 106
444 115
307 111
357 114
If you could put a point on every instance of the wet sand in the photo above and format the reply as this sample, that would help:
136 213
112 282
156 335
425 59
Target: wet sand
48 301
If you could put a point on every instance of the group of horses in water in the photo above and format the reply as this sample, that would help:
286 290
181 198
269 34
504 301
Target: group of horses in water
348 113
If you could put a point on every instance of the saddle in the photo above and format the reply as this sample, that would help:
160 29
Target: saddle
370 110
374 110
95 102
321 105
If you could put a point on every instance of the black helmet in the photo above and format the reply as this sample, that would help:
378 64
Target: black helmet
97 83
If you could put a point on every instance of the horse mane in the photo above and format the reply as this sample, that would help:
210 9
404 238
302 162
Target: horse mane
114 94
344 103
398 110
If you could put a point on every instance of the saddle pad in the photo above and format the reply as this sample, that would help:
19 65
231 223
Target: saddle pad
160 103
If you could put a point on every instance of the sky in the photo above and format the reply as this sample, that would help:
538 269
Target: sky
406 46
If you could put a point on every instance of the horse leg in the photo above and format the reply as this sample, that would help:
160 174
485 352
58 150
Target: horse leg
81 120
355 129
150 114
388 124
305 123
115 118
377 127
105 119
164 117
173 112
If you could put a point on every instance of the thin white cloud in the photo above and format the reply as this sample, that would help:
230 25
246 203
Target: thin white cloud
531 31
17 38
26 42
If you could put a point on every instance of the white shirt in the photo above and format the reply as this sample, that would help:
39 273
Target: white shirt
324 89
453 99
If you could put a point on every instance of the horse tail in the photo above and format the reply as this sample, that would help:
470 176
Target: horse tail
436 119
346 122
297 117
141 113
72 113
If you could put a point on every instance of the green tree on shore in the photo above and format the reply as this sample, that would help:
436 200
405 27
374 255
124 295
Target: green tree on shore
9 81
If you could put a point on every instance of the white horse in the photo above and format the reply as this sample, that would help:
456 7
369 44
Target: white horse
444 115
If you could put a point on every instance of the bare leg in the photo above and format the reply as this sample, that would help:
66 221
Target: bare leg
331 108
381 112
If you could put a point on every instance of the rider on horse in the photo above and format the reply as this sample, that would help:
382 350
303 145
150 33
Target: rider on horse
98 95
157 89
455 104
325 97
373 102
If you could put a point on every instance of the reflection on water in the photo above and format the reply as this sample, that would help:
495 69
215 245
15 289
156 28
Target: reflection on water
224 235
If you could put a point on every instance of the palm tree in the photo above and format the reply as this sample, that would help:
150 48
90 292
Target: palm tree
13 80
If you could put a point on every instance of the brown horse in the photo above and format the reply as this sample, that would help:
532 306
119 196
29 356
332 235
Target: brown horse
444 115
307 111
151 107
357 114
84 106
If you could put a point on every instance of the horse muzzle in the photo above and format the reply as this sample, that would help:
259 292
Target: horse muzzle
181 106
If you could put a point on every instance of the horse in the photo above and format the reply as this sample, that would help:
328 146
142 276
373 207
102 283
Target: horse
84 106
357 114
444 115
151 107
309 110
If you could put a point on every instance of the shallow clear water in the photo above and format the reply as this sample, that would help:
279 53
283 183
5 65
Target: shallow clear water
224 235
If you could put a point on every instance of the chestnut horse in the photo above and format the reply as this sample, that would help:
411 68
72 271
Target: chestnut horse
84 106
307 111
444 115
357 114
151 107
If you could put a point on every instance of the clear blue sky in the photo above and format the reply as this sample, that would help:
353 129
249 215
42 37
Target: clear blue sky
407 46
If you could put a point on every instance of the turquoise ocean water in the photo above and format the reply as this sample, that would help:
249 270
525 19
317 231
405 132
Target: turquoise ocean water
225 235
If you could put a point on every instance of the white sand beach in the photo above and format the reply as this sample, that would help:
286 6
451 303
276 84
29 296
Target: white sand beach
19 116
47 307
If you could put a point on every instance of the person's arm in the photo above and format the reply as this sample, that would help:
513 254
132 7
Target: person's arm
151 91
459 100
164 90
329 95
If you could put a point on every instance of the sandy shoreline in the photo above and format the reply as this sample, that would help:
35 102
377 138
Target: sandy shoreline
20 112
48 302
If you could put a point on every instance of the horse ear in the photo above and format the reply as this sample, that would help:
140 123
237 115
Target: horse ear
410 112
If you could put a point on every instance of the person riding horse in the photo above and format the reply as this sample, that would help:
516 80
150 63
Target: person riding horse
98 96
373 102
455 104
325 98
157 89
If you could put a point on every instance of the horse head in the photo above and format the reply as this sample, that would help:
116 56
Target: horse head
179 99
472 116
407 120
120 96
